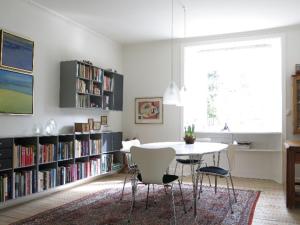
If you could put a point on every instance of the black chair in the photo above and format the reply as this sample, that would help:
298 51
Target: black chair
219 172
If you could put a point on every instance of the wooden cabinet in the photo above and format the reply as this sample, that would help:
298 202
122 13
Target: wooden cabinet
296 103
291 158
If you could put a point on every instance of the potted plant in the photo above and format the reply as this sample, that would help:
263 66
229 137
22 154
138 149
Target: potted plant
189 134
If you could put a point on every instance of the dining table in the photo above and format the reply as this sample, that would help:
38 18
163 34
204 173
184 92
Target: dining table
194 152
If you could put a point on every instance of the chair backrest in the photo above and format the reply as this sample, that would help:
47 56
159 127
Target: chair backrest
126 145
152 163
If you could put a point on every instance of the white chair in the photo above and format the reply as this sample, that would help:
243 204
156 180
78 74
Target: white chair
152 166
126 145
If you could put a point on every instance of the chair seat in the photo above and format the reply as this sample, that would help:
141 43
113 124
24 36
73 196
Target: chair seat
188 161
213 170
167 178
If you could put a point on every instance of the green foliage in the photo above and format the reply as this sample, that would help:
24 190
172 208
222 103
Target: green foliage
189 131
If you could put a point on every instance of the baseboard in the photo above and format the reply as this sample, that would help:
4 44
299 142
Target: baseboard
28 198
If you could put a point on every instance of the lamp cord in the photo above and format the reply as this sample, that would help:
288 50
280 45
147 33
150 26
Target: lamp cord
172 39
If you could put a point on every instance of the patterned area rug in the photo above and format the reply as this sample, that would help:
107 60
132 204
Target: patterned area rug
104 207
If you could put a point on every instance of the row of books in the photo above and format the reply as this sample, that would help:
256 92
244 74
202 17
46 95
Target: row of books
89 72
107 83
66 174
47 153
65 150
95 147
106 162
25 183
4 188
82 148
82 101
47 179
24 155
81 86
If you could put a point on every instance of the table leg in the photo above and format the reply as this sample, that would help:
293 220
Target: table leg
195 183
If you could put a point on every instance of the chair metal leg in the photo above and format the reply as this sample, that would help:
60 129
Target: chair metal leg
232 188
182 172
133 183
229 194
209 180
201 181
125 179
173 203
153 192
175 168
182 199
216 184
147 196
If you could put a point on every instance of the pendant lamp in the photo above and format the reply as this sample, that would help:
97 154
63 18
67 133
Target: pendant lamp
183 90
171 95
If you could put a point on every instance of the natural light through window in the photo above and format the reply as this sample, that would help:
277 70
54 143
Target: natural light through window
236 83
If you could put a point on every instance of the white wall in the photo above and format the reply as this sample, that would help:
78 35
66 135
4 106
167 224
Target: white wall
147 66
56 39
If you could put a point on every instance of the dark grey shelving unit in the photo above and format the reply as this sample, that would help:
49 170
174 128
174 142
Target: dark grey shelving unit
80 89
111 143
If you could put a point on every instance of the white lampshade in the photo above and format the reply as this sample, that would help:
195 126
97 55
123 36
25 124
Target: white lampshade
183 96
171 95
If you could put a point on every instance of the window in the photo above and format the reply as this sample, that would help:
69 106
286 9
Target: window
237 84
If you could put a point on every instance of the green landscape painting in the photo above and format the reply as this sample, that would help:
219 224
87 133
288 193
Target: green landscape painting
16 93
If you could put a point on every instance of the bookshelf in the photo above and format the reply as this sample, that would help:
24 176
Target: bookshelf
89 87
36 164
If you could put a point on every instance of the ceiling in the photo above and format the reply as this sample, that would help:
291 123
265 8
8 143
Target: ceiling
131 21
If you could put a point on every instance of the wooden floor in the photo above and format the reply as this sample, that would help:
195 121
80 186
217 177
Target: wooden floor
270 207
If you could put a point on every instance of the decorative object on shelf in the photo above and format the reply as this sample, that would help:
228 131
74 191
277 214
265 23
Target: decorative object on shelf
189 134
103 120
91 123
171 95
297 69
37 129
50 128
149 110
16 52
16 93
82 127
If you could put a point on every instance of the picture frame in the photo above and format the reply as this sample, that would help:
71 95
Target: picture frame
97 125
149 110
16 52
16 93
103 120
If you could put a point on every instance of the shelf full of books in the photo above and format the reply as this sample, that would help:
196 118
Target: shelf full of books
39 163
83 85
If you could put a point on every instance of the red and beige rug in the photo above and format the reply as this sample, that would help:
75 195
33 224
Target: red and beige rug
104 207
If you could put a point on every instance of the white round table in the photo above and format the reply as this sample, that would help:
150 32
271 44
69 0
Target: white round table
194 151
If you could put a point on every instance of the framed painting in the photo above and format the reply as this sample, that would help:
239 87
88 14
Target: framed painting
149 110
16 52
16 93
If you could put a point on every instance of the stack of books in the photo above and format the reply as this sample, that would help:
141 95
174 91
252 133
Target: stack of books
4 188
47 179
65 150
24 183
24 155
95 147
81 148
47 153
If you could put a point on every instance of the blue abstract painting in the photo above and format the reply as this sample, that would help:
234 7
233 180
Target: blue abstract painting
16 92
17 52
